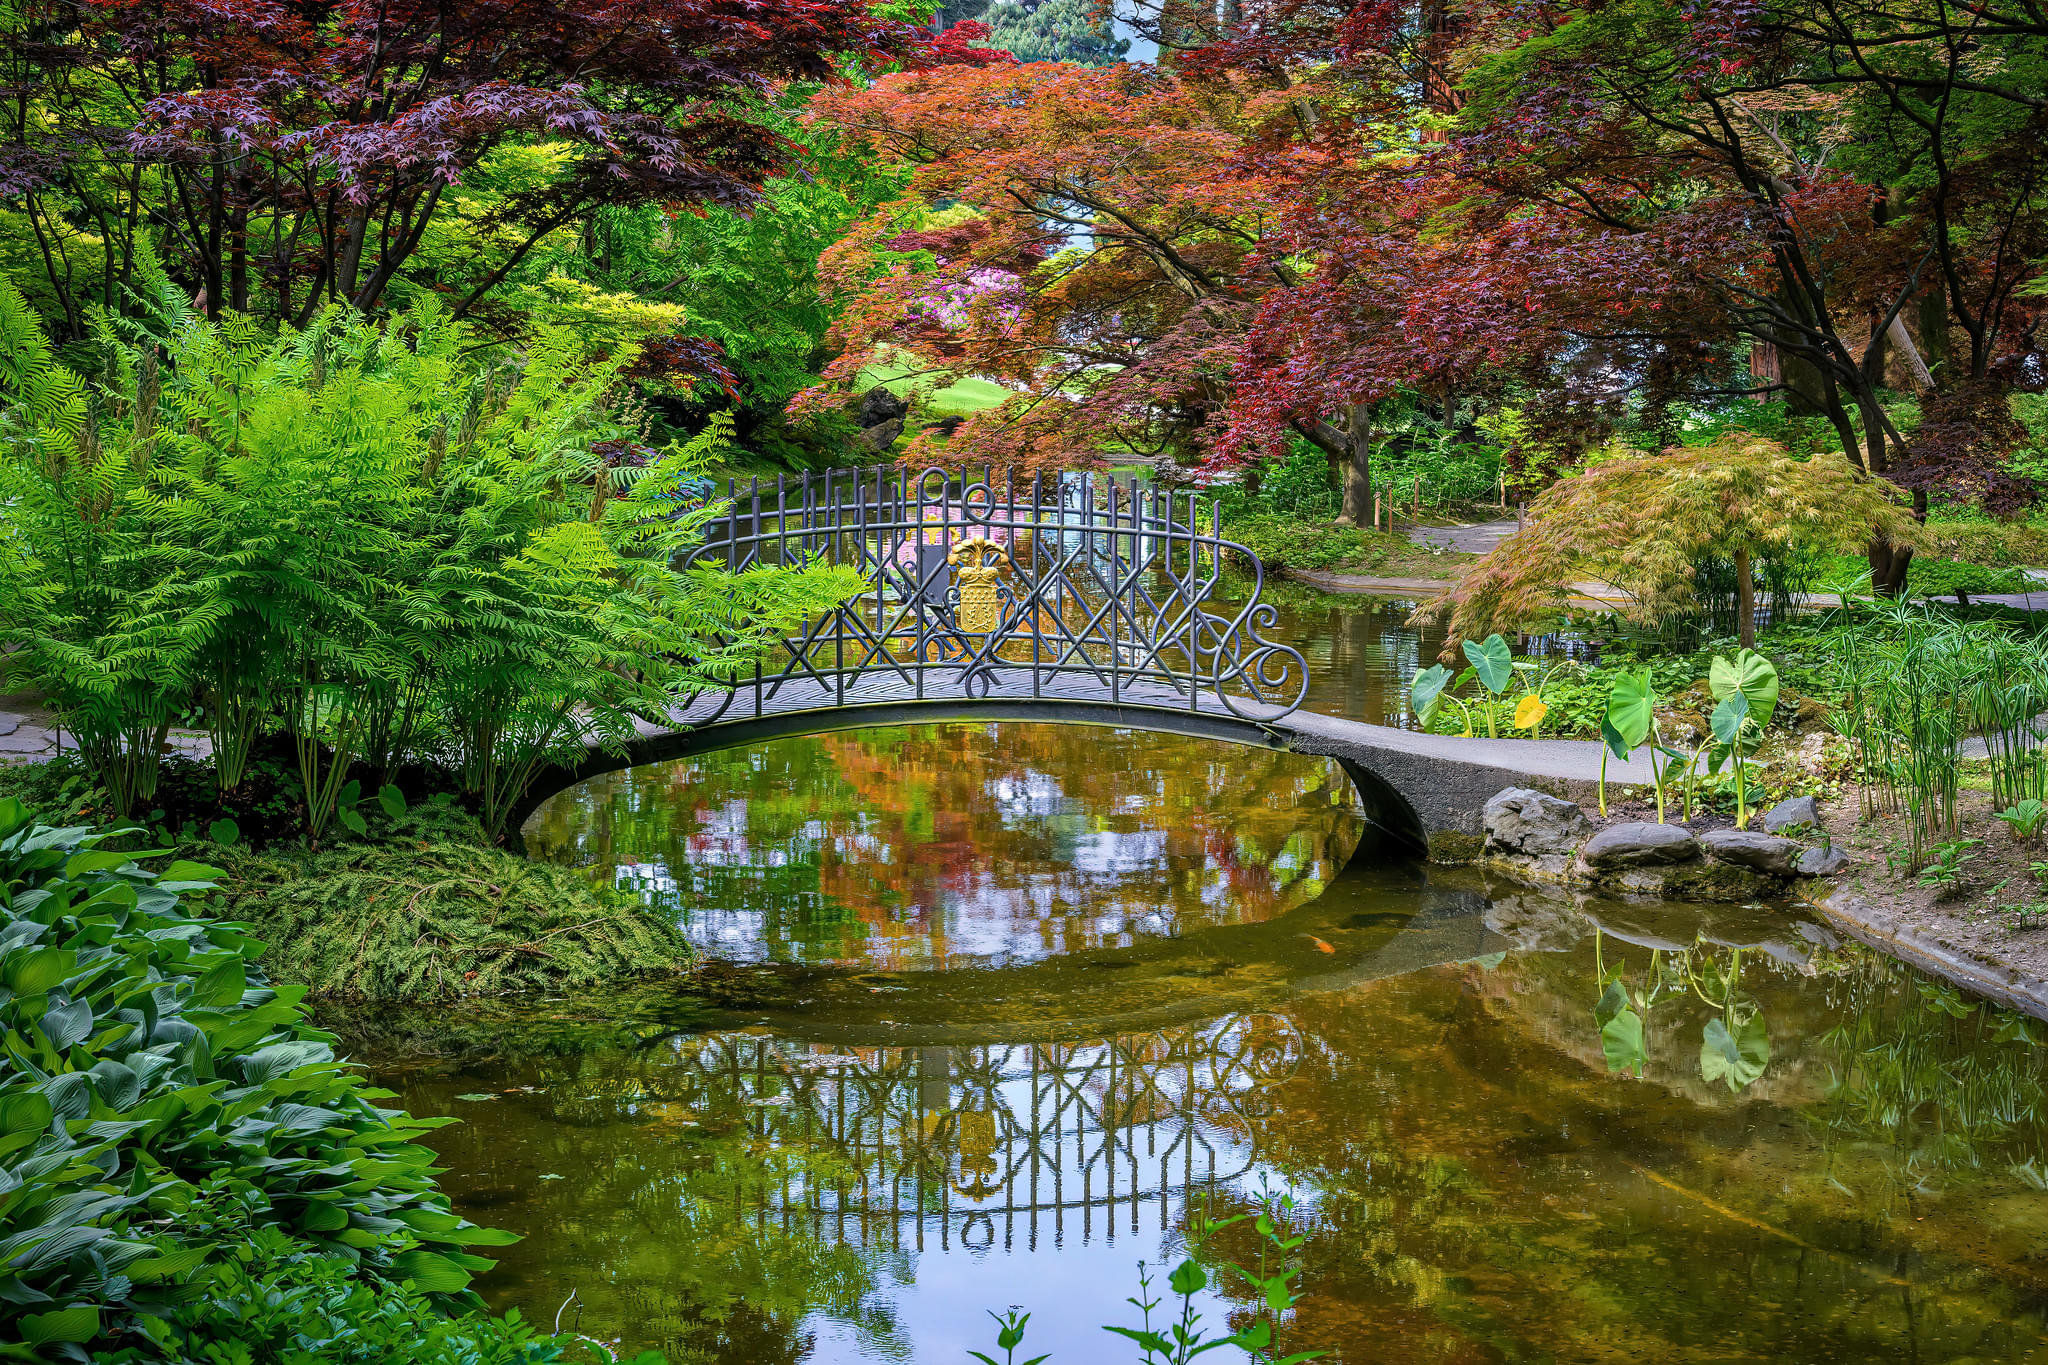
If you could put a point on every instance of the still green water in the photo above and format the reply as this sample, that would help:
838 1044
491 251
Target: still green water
999 1008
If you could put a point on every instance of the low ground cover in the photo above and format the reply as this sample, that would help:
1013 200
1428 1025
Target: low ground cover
419 907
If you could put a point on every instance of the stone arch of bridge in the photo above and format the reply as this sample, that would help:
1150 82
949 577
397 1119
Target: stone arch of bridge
1390 812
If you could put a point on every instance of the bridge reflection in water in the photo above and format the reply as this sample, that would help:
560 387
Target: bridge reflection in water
968 1145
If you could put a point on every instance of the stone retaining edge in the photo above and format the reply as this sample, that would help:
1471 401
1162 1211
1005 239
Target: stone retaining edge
1881 930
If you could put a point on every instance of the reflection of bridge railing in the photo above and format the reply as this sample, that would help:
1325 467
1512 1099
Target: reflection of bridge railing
968 1143
1070 586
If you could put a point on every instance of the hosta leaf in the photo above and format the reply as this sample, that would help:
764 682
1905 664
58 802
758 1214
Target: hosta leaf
65 1025
37 970
76 1325
221 985
430 1270
24 1111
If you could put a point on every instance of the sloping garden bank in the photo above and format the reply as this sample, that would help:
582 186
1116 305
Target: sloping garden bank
187 1171
1915 766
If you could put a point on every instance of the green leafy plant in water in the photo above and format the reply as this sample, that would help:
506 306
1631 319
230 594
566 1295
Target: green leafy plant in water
1622 1013
1182 1338
1009 1336
1735 1045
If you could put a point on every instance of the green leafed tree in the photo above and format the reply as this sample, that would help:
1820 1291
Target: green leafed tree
1642 522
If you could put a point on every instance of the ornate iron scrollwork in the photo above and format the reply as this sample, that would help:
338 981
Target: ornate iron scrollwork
1062 587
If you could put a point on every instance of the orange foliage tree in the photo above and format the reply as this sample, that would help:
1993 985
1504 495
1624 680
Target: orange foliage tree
1085 236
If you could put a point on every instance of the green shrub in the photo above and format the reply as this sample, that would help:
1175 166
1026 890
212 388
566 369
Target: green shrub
275 1303
1289 543
162 1103
1928 576
1996 544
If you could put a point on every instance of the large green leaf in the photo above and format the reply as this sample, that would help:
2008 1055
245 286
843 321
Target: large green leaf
1632 708
1727 720
22 1112
39 969
74 1325
1621 1029
1750 674
431 1271
1493 661
1428 692
1738 1058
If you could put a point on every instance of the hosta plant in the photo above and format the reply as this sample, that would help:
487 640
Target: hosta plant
163 1105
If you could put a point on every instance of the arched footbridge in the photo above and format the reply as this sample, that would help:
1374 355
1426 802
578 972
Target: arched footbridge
1076 598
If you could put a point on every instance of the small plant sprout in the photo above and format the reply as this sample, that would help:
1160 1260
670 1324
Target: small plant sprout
2025 819
1009 1336
1946 869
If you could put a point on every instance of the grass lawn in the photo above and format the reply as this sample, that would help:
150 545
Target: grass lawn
903 378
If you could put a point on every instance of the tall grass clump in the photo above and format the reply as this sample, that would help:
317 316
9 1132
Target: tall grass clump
1916 686
385 543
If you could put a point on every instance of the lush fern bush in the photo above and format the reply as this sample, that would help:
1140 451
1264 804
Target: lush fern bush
379 540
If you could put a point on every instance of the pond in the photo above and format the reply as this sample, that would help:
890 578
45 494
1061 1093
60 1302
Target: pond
1016 1004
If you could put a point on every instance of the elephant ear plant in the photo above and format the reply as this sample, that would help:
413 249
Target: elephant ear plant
1745 689
169 1122
1629 723
1493 665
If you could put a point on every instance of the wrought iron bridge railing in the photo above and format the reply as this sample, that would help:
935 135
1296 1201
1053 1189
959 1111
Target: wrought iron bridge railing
1076 586
975 1144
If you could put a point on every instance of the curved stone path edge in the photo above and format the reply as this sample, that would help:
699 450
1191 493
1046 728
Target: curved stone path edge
1883 929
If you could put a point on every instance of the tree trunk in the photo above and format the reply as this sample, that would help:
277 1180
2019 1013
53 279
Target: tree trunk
1358 508
1745 603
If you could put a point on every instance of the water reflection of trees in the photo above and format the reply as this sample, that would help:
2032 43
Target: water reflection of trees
1004 841
1930 1080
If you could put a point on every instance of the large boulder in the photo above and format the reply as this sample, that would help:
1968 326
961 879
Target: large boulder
1821 862
1639 844
1759 852
883 434
1791 813
1532 824
878 405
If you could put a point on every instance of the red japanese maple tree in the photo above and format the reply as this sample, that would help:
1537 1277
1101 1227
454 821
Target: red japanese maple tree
285 155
